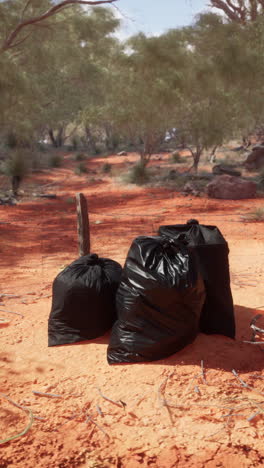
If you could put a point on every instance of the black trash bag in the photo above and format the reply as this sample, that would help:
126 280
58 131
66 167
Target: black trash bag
83 300
212 250
159 301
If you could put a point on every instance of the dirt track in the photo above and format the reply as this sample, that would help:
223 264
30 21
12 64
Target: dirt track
206 423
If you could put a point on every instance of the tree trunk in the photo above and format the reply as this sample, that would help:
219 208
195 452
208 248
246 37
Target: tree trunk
60 137
213 154
145 155
52 138
90 140
196 158
16 181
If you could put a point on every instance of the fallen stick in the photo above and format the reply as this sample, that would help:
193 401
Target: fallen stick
97 425
9 295
49 395
162 400
99 411
27 428
9 312
4 321
253 416
256 404
116 403
254 342
74 416
244 384
203 373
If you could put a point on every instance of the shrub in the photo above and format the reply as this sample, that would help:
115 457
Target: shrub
70 200
80 157
137 175
17 164
106 168
176 158
81 169
16 167
55 160
256 215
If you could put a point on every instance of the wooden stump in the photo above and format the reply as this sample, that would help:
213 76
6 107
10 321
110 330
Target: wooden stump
83 228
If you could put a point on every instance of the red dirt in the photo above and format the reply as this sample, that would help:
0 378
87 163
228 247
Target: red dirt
198 430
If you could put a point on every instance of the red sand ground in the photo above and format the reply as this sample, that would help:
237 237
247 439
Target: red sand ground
207 422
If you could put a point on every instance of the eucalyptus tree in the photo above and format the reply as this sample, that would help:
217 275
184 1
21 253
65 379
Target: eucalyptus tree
21 15
240 11
236 57
144 91
44 88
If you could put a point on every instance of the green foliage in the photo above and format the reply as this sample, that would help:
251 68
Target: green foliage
205 80
138 175
55 160
17 163
46 81
81 169
70 200
176 158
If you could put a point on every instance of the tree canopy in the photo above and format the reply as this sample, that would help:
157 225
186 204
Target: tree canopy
203 82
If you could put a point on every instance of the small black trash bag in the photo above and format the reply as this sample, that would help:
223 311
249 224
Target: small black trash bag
212 251
83 300
159 301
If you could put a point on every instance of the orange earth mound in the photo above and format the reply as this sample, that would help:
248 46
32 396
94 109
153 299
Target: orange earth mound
174 415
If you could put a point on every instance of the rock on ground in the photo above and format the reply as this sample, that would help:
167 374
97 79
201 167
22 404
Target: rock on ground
231 188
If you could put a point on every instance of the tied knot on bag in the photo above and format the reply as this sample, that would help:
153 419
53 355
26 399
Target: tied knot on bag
192 221
92 259
94 275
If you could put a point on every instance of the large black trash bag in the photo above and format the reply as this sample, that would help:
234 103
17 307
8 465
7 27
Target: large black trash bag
212 251
159 301
83 300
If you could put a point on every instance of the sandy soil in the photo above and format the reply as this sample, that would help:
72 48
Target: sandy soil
174 415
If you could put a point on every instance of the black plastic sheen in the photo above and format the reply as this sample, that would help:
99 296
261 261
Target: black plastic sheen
159 301
212 251
83 300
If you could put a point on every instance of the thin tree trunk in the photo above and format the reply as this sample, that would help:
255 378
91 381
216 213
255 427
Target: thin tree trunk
213 154
52 138
196 158
90 139
16 181
60 137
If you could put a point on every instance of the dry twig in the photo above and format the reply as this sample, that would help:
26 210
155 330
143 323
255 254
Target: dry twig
244 384
119 403
27 428
203 373
97 425
48 395
9 312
